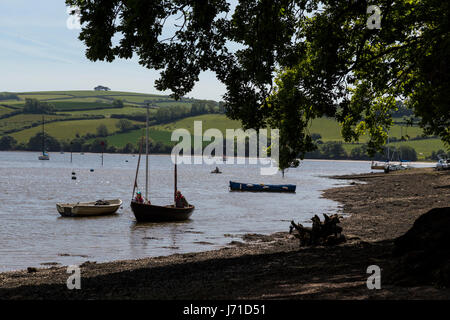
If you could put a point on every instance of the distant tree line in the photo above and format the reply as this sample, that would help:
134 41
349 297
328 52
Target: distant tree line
328 150
173 113
124 125
35 106
402 111
8 96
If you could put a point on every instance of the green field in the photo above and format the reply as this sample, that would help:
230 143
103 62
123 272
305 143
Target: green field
423 148
65 130
23 120
209 121
66 99
330 130
80 104
108 112
5 110
70 105
13 103
43 97
121 139
163 133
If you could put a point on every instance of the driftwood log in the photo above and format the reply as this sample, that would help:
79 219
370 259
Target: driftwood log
327 232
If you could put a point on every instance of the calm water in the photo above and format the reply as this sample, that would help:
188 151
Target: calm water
32 232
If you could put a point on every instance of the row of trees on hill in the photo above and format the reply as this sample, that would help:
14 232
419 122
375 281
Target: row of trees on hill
124 125
173 113
35 106
78 144
327 150
335 150
8 96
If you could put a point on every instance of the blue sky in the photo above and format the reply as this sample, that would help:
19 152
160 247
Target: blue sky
39 52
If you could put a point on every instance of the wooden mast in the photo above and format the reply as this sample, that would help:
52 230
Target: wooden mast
137 168
43 135
175 182
146 157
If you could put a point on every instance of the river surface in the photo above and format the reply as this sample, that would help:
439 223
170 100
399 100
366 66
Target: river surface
32 233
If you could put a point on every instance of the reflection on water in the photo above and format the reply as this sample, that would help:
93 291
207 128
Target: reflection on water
32 232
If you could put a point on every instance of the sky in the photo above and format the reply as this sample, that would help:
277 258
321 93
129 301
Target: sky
39 52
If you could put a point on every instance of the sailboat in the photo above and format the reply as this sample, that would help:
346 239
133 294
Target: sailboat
44 155
147 212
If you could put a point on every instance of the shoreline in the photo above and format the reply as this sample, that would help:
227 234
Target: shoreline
424 162
380 209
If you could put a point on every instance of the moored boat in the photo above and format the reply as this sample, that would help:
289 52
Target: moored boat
376 165
44 155
89 209
142 208
238 186
152 213
216 170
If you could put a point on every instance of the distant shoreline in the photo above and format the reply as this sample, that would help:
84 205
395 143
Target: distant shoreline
168 154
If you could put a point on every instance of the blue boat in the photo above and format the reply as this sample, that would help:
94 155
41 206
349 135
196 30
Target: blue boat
237 186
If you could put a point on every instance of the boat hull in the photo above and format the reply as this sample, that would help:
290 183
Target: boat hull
237 186
151 213
88 209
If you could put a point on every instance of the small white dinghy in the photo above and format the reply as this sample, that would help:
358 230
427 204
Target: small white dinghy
89 209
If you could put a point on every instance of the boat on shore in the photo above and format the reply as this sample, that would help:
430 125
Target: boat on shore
443 163
143 210
89 209
238 186
389 166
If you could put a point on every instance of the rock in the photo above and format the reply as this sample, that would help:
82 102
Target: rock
87 263
256 237
237 243
31 270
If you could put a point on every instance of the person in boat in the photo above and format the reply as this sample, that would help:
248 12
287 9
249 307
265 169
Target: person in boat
139 198
180 200
216 170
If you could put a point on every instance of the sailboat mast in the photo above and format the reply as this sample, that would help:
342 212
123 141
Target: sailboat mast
137 168
43 135
146 157
175 182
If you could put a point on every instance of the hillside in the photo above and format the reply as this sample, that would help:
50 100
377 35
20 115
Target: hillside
78 115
